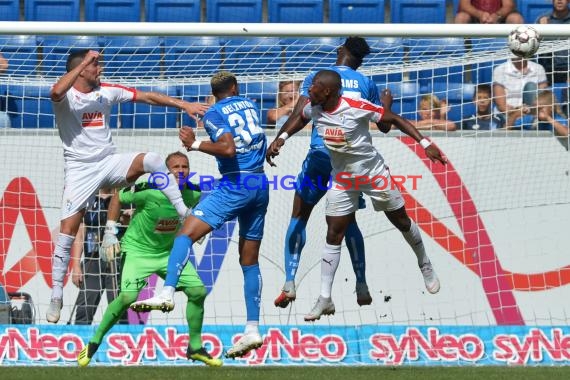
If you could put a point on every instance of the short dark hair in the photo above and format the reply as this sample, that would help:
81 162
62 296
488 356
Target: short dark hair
75 58
222 82
483 87
357 47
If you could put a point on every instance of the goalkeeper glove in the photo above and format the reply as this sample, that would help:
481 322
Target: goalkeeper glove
110 246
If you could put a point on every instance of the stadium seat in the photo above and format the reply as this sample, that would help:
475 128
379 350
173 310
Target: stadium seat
295 11
418 11
173 10
9 10
194 93
385 51
356 11
234 11
56 49
135 56
531 10
51 10
29 105
405 97
196 55
252 55
21 53
302 54
113 10
437 50
144 116
264 94
459 97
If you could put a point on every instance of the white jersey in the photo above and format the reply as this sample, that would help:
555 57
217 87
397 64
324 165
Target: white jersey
83 121
345 132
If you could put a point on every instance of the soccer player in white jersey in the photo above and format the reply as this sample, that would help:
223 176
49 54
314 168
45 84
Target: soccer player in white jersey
82 107
344 125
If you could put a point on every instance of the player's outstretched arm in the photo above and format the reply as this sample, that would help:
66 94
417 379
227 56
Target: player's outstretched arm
223 147
160 99
405 126
64 83
294 124
110 246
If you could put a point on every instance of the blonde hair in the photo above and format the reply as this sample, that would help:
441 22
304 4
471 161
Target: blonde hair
432 100
547 98
282 85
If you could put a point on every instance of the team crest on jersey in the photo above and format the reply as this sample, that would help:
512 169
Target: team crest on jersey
334 138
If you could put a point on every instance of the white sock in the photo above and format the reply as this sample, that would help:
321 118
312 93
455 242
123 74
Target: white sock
153 163
414 239
329 265
251 327
168 292
60 262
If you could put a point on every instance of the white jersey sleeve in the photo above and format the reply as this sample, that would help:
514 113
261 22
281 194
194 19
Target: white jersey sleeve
83 121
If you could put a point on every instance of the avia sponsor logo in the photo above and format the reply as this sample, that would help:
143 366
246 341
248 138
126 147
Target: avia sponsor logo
92 119
17 346
532 347
412 345
166 226
296 347
334 138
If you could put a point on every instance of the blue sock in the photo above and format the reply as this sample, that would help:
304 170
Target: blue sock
252 284
294 243
355 243
178 259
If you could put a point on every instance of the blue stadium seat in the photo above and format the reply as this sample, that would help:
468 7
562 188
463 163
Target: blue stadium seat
196 55
135 56
264 94
21 53
113 10
405 97
356 11
51 10
436 49
9 10
294 11
302 54
418 11
234 11
144 116
386 51
173 10
56 49
252 55
532 9
194 93
29 105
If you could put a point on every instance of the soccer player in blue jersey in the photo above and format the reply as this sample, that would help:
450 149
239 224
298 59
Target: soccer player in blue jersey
239 145
315 172
317 166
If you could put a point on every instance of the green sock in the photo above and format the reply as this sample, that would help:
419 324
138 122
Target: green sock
195 315
113 313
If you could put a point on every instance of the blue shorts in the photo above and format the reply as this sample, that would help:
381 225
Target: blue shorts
232 199
315 178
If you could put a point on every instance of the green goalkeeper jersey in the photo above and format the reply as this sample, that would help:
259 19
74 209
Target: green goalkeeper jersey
155 221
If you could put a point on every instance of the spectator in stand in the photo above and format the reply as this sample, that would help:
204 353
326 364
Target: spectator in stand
484 119
488 12
4 119
545 115
515 86
286 100
433 115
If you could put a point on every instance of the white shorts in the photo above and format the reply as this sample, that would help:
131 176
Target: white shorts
84 179
342 198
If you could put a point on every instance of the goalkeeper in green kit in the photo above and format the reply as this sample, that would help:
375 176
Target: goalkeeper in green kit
145 248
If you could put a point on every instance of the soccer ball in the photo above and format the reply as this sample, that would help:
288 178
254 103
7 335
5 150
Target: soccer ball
524 41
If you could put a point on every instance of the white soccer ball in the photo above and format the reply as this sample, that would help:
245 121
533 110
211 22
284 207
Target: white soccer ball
524 41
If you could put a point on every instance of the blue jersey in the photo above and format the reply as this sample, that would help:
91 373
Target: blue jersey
354 85
239 116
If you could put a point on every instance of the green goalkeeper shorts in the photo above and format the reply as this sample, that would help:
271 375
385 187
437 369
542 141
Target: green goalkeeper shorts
136 270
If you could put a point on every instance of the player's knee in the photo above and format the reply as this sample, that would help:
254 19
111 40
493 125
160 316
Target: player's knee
196 293
152 162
